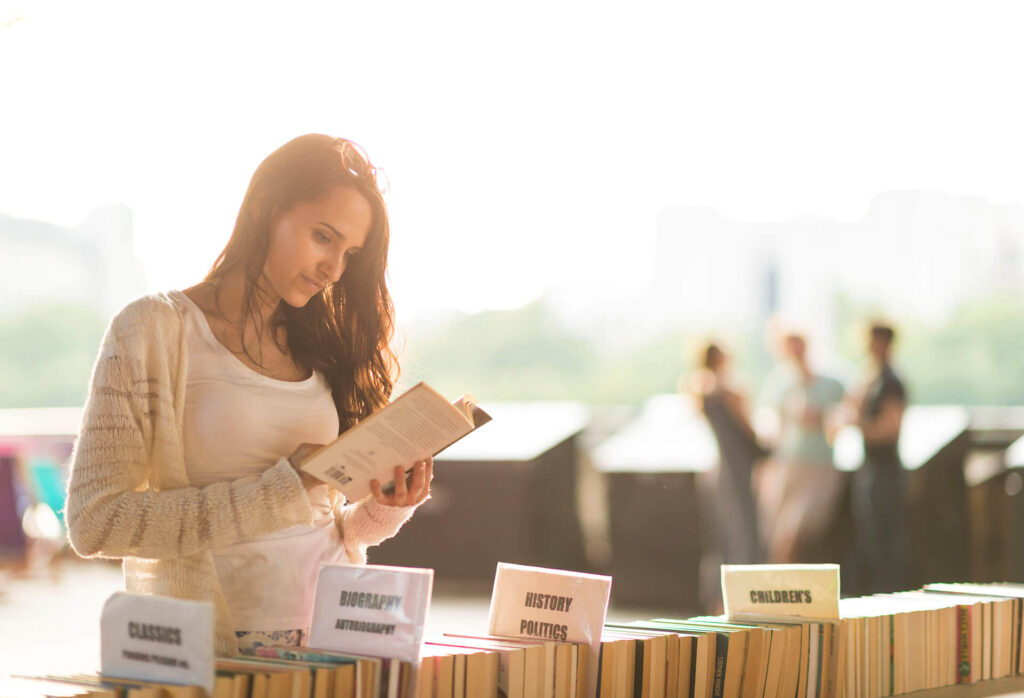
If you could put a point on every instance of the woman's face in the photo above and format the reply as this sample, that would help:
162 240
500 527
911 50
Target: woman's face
311 244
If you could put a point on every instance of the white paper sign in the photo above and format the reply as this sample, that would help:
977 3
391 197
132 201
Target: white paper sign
781 591
158 639
373 610
546 604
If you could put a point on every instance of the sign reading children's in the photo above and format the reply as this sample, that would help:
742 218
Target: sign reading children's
158 639
781 591
547 604
374 610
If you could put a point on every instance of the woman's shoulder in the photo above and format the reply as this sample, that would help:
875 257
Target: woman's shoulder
151 315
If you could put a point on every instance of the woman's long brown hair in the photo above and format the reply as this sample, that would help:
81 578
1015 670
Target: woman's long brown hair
345 331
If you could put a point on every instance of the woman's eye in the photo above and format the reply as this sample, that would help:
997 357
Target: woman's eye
321 237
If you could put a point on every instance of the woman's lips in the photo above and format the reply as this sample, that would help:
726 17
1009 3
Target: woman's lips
314 286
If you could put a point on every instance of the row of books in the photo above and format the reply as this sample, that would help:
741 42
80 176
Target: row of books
883 645
941 635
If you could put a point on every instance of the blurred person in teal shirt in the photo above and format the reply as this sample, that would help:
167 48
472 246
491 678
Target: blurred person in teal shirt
800 487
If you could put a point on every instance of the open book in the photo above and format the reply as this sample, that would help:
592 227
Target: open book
418 424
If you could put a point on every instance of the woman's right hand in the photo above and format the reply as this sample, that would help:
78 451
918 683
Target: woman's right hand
301 453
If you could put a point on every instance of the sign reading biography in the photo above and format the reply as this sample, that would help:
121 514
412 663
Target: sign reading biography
781 591
546 604
158 639
372 610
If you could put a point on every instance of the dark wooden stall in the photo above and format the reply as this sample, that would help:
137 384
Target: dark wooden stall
655 467
506 493
997 519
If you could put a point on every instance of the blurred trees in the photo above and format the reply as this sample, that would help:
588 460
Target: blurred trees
524 354
506 355
972 357
46 355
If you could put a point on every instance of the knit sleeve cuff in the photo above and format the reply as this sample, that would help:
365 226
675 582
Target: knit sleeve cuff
388 518
292 497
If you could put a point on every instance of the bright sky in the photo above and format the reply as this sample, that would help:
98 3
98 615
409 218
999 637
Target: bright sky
527 144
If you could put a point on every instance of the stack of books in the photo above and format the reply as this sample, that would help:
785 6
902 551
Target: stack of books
941 635
883 645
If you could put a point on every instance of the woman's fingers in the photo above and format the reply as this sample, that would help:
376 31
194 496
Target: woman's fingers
407 491
418 480
401 490
428 477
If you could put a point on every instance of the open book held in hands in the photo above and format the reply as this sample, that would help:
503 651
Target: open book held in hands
418 424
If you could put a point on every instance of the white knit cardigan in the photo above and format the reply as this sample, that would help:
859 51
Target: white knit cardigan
129 495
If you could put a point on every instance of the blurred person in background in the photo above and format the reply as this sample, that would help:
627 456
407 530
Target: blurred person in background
879 487
725 408
800 488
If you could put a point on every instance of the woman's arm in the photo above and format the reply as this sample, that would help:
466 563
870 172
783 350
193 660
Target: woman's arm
130 438
108 517
374 519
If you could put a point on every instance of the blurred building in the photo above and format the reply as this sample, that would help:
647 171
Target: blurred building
918 254
914 253
92 263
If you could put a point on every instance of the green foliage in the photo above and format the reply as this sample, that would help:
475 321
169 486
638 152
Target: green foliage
524 355
973 357
634 376
506 355
46 355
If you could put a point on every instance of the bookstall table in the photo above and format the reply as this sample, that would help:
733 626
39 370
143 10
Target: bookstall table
1009 686
997 516
653 466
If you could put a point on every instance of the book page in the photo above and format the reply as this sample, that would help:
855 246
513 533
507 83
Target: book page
417 425
467 405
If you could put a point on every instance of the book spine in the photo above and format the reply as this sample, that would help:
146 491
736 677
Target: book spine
638 670
721 650
964 665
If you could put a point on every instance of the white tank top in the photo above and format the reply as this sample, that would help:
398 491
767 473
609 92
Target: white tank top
238 423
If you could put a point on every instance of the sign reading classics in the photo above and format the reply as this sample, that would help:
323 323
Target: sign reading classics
546 604
781 591
158 639
371 610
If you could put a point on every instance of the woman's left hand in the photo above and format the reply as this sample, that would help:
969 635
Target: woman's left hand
406 494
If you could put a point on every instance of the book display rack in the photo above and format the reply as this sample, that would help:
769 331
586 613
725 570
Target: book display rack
945 639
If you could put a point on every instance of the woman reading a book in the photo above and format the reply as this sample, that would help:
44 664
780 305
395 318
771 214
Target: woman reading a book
203 402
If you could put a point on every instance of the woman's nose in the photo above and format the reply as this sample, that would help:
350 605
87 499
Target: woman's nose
334 266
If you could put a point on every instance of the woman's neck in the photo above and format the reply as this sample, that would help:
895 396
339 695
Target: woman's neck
228 296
